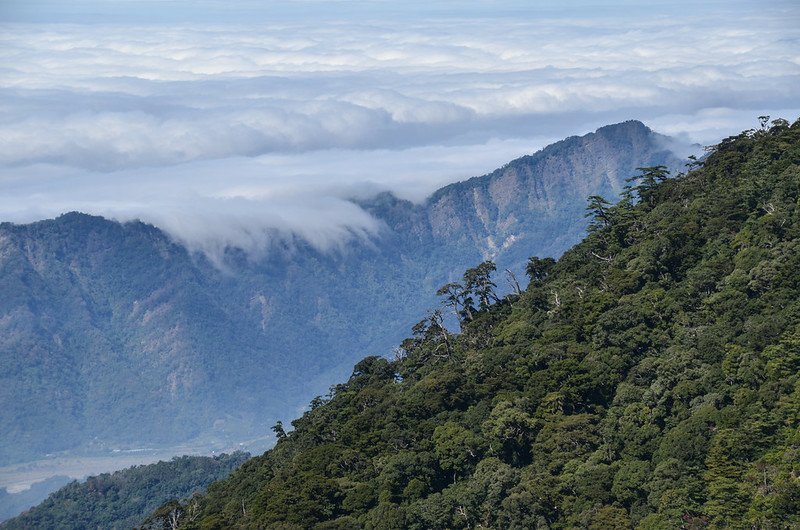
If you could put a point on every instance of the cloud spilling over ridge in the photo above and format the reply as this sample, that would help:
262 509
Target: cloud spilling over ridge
247 202
96 117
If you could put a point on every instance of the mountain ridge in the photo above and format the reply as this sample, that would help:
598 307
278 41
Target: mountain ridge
496 196
94 301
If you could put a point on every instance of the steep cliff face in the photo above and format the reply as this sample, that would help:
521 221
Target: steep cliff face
112 333
508 206
536 201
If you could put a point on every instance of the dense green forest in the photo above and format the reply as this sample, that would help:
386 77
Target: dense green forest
648 379
125 498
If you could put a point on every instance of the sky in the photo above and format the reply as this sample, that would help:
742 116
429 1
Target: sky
225 123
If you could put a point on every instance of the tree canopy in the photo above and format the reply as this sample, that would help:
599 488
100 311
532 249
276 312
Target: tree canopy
648 379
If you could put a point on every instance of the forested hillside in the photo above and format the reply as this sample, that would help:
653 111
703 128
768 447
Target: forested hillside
106 328
648 379
12 504
124 499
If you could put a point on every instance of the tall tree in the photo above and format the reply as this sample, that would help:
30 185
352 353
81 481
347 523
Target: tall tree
597 209
478 281
458 299
646 182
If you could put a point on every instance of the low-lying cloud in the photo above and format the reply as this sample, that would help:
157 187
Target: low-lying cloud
247 202
221 134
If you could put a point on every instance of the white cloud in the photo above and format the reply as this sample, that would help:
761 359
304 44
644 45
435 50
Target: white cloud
248 202
93 117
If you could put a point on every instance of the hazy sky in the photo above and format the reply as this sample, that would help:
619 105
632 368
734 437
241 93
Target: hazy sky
218 120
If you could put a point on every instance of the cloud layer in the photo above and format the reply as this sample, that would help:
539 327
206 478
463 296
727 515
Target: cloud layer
109 118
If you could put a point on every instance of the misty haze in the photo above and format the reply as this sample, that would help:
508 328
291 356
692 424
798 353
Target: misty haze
450 264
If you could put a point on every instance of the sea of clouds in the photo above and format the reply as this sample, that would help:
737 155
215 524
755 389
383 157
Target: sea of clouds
224 133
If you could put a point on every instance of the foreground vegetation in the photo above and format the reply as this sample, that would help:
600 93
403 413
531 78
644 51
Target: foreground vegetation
648 379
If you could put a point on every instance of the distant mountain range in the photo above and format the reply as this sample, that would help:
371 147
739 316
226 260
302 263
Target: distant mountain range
114 335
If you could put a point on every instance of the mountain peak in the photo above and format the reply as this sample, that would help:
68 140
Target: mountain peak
630 125
625 129
506 207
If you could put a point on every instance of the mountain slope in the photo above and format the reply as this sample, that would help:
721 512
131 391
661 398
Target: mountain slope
111 334
650 378
534 201
13 504
125 498
109 323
